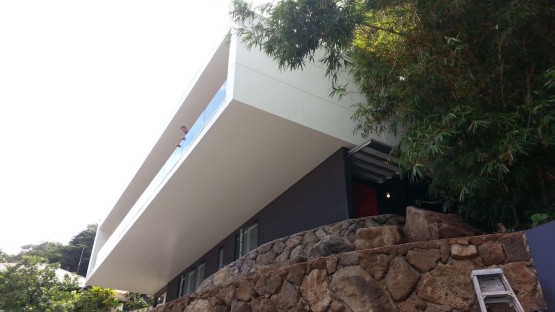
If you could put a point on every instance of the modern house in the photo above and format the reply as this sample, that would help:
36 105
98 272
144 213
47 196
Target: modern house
269 153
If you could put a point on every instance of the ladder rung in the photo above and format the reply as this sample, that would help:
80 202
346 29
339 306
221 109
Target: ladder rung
497 293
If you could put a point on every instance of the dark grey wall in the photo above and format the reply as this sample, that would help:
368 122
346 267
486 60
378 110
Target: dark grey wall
317 199
540 241
321 197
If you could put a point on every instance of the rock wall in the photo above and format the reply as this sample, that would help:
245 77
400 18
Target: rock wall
418 276
318 242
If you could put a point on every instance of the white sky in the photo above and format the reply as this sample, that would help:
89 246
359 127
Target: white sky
86 88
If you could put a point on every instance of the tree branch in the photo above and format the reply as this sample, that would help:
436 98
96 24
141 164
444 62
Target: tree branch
389 30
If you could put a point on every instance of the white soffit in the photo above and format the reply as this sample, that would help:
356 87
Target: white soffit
208 80
240 164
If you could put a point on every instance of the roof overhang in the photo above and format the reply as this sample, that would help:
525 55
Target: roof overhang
237 166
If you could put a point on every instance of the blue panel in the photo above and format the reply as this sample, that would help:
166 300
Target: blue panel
542 247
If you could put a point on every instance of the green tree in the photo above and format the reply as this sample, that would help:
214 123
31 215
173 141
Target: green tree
51 251
95 299
136 301
32 285
468 86
76 254
4 257
73 257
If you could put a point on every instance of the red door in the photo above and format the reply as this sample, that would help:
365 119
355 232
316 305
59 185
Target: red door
365 200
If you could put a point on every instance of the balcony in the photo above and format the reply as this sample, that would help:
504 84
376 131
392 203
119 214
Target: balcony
165 172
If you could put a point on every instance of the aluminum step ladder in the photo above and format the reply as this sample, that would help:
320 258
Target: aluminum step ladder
494 292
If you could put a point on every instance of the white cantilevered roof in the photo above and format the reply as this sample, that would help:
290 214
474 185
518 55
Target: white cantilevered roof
272 129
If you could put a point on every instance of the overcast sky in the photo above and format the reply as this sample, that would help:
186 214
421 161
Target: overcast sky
86 88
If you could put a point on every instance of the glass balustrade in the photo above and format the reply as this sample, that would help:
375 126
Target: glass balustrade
181 148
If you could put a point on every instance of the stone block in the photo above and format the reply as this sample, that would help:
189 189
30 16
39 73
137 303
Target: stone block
334 229
288 296
247 266
283 256
265 258
491 253
445 251
278 247
380 236
272 284
515 247
199 305
267 305
265 248
424 260
460 252
296 252
294 240
376 265
359 291
244 291
329 245
309 237
412 304
315 290
449 285
422 225
401 279
239 306
296 274
348 259
226 294
524 282
320 233
220 308
331 264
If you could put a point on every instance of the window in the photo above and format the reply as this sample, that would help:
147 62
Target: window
237 246
200 274
182 285
221 258
250 239
191 280
191 285
160 300
247 240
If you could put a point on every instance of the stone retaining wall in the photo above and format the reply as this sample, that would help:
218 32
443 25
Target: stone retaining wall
420 276
321 241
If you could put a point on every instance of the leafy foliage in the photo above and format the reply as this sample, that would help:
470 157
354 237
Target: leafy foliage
468 85
73 257
541 218
51 251
4 257
95 299
136 301
32 285
77 253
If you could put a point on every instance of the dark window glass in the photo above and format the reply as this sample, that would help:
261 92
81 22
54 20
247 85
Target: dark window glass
247 240
250 239
221 258
200 274
191 283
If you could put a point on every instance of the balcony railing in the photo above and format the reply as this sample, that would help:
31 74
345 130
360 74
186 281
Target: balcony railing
165 171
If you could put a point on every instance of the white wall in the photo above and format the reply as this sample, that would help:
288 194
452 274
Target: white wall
302 96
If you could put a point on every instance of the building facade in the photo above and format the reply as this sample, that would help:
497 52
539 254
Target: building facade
268 153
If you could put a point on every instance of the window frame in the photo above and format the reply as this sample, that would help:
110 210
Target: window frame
244 239
221 260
